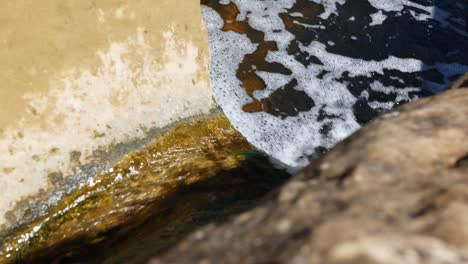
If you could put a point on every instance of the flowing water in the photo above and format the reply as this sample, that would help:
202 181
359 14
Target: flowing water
297 76
198 172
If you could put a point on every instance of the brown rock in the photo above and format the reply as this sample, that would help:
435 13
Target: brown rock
461 82
395 192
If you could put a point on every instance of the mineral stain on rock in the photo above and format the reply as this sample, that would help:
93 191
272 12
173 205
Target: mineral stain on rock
200 171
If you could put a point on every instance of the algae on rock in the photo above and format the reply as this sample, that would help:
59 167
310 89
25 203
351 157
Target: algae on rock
144 183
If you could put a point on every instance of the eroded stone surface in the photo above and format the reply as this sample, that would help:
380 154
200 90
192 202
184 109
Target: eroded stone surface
311 72
84 82
394 192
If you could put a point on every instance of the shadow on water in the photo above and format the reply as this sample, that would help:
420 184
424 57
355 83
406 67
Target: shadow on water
181 212
446 57
431 31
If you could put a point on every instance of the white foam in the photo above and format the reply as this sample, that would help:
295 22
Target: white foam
329 6
402 95
377 18
290 139
394 5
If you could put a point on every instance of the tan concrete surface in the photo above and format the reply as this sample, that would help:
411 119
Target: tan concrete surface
78 76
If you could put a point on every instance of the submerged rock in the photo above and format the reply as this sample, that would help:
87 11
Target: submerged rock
394 192
201 169
84 83
311 72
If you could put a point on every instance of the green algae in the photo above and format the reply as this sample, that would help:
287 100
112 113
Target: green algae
134 189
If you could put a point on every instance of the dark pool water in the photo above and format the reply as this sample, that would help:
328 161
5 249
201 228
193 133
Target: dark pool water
295 77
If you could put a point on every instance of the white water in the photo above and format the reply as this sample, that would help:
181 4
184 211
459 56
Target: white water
293 138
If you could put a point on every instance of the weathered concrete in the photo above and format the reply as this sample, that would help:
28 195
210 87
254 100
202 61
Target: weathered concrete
84 82
395 192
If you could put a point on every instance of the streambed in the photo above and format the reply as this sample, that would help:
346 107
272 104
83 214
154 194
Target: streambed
199 172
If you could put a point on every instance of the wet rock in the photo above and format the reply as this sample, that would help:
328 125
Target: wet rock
461 82
394 192
197 172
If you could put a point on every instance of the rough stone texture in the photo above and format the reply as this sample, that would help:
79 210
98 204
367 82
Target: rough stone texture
395 192
461 82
